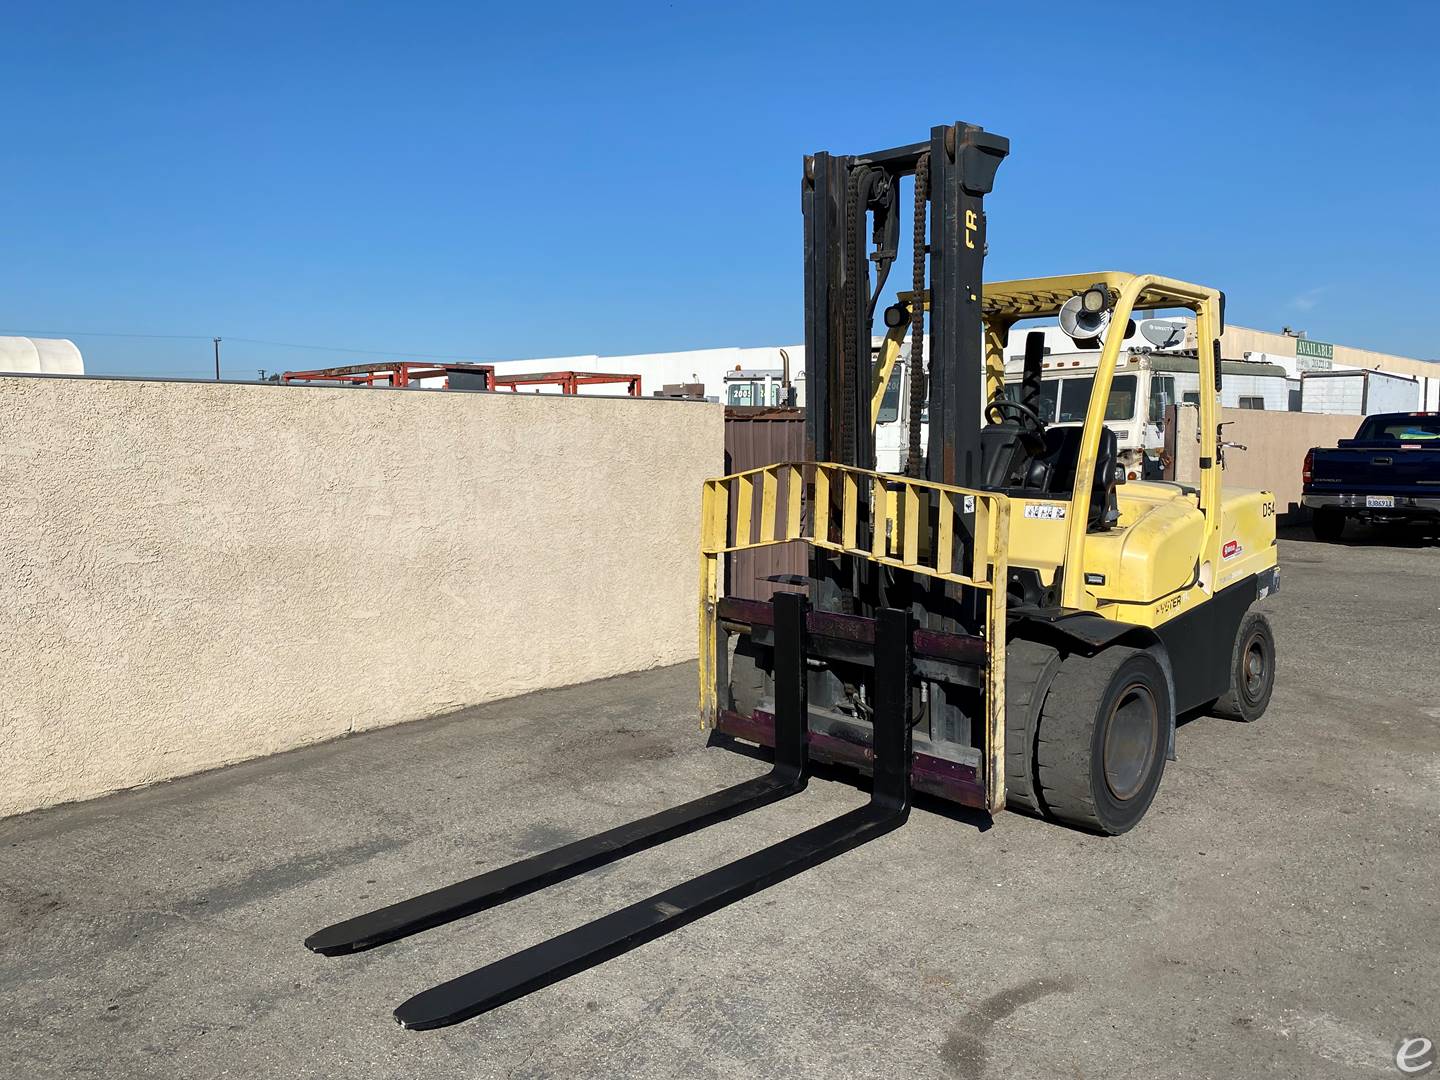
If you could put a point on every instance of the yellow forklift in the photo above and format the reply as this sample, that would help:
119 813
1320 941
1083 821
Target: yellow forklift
1008 622
1066 615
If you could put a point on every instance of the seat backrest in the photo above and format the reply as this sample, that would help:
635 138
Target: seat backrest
1054 472
1001 452
1104 507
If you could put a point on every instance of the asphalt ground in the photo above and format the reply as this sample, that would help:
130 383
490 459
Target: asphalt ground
1275 915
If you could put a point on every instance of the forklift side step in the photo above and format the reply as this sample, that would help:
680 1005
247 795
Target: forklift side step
495 887
611 935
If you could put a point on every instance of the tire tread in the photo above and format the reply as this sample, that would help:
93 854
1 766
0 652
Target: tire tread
1229 705
1026 666
1064 746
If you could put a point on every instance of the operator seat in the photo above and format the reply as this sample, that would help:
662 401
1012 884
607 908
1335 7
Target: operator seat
1054 471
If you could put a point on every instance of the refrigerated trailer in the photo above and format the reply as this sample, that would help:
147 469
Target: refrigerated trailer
1358 392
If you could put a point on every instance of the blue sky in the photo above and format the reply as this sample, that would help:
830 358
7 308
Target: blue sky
530 180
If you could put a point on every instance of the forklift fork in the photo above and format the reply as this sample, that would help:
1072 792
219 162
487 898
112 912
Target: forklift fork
787 777
597 941
611 935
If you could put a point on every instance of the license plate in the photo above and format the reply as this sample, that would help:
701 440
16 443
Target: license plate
1379 501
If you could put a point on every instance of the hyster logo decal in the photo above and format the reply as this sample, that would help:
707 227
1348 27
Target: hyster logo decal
1231 549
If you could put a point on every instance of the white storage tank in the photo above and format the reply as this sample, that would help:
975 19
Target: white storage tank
1360 392
43 356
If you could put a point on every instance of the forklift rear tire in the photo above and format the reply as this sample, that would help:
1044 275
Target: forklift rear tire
1328 524
1104 728
1252 671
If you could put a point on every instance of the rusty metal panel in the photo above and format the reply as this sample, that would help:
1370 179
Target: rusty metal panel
755 437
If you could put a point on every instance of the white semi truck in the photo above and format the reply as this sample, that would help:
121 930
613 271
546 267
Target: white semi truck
1146 383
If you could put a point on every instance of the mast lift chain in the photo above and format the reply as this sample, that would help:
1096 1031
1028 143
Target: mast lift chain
914 462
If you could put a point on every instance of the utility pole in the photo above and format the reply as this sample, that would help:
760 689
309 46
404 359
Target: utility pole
217 359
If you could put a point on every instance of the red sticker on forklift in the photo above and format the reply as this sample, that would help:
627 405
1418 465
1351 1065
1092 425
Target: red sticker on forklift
1231 549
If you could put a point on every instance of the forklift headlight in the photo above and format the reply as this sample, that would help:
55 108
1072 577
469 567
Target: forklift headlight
1095 299
896 315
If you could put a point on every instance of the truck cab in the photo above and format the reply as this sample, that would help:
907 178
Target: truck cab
757 387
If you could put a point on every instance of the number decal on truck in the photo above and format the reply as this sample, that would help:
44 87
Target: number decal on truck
1267 508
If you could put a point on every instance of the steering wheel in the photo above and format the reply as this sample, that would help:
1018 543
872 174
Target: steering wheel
1028 417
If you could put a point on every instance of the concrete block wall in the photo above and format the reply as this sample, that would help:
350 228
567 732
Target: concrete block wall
1275 448
196 574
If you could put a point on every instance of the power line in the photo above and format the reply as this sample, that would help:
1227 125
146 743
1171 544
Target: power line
105 333
359 352
247 341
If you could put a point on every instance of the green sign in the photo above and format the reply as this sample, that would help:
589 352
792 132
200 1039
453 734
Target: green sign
1318 350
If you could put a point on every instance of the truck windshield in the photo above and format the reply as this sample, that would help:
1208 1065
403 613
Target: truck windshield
890 400
751 393
740 393
1405 429
1075 399
1049 390
1064 401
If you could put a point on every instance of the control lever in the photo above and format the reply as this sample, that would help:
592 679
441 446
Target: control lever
1220 439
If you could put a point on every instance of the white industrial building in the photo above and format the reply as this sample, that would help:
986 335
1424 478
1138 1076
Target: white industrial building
1410 382
40 356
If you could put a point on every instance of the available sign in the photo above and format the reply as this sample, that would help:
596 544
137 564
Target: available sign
1316 350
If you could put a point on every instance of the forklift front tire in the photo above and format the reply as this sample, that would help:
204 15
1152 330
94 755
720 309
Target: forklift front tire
1100 752
1252 671
1029 670
747 676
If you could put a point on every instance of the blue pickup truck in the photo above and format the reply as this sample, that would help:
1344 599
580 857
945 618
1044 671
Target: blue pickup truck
1390 471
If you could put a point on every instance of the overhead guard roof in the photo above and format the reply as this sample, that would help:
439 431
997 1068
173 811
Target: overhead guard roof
1037 298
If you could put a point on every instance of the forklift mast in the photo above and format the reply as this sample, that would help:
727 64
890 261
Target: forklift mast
852 214
851 207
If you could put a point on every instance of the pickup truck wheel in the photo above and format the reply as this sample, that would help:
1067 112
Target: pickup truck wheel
1327 524
1100 751
1252 671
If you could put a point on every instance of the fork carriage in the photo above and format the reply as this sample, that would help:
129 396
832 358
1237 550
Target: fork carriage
934 531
